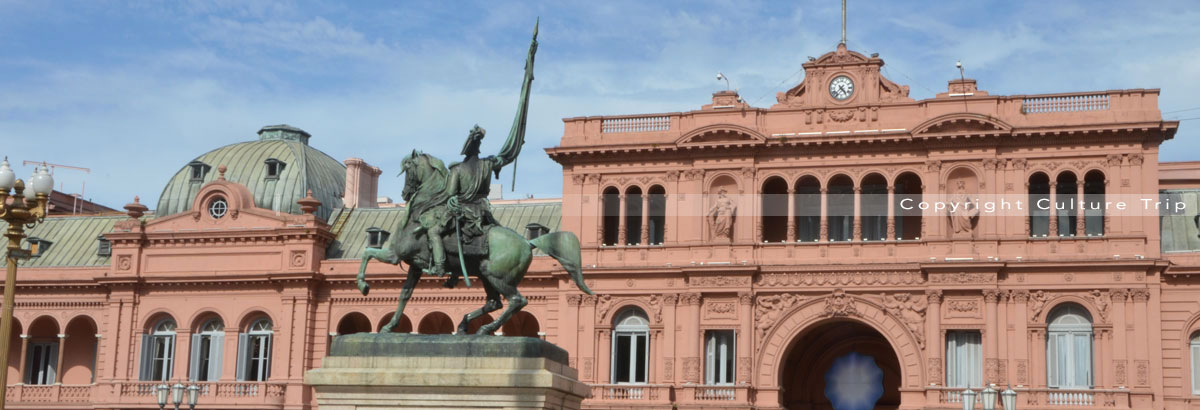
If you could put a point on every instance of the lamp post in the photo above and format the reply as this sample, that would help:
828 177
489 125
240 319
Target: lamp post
1009 399
22 213
193 395
968 399
160 394
177 394
988 395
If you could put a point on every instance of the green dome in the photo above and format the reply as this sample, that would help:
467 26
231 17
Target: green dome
278 169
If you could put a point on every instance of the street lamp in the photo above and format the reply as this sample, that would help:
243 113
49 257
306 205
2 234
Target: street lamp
968 399
1009 398
989 398
177 394
193 394
160 393
22 213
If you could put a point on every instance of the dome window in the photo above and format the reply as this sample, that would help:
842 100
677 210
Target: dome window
38 246
274 168
534 230
218 208
105 248
376 237
199 170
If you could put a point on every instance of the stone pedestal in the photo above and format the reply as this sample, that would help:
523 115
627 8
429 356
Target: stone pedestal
404 371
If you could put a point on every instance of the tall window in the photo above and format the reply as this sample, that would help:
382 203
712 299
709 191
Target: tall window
774 210
808 209
207 349
1066 203
839 208
631 348
906 213
1093 198
1195 347
874 208
612 216
658 215
1069 348
158 351
254 352
633 216
964 359
42 358
719 357
1039 205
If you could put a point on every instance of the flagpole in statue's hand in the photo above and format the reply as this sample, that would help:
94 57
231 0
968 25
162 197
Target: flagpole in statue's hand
516 136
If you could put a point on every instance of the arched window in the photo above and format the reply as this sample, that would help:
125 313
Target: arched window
633 216
631 347
874 208
254 347
158 351
612 216
808 209
1093 198
839 208
1066 203
907 196
1069 348
1195 348
1039 205
774 210
658 215
207 348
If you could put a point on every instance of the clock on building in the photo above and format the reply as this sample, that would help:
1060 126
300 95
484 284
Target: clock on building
841 87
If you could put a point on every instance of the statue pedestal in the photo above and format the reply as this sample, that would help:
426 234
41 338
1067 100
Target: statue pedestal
399 371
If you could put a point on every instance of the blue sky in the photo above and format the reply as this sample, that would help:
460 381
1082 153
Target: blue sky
135 90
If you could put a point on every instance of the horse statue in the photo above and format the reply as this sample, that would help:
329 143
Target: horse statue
500 269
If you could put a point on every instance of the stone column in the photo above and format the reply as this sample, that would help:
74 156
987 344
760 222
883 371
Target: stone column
1037 368
24 356
891 213
1079 210
1120 352
671 337
745 338
96 357
621 239
1142 335
645 218
991 340
1019 352
690 350
791 212
589 352
824 215
183 354
857 214
58 366
1053 208
933 336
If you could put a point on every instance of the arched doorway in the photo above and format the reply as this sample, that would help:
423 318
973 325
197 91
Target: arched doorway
354 322
435 323
521 324
405 325
811 356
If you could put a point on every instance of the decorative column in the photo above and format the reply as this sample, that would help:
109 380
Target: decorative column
1053 208
891 213
1142 334
857 214
1079 210
690 350
604 357
183 353
622 240
745 337
58 369
588 349
1019 352
824 215
991 362
1037 343
791 212
933 335
24 354
1120 353
670 349
96 357
645 218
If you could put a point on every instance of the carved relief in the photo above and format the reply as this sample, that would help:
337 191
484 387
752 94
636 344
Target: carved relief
692 299
1135 159
656 308
1037 302
587 367
1140 295
743 370
297 259
588 300
962 278
1119 367
672 176
840 278
578 179
691 369
1143 372
933 165
991 369
935 370
593 178
603 303
1018 296
910 310
124 263
573 300
839 304
720 310
841 115
933 296
770 309
720 281
1101 301
968 308
669 368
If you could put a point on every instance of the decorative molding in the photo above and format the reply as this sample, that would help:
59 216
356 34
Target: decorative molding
1140 295
691 369
1101 300
1018 296
839 304
991 296
962 278
656 308
958 307
1022 371
840 278
1119 367
935 370
589 300
1037 302
933 296
603 304
1143 372
770 309
669 368
691 299
719 281
991 369
743 370
573 300
910 310
745 298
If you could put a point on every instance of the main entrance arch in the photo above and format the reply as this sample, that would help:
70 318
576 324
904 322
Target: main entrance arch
810 336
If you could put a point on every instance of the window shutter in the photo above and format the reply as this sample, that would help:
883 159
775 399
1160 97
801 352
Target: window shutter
170 357
194 358
269 343
242 355
1195 368
147 359
216 357
710 359
51 371
1052 360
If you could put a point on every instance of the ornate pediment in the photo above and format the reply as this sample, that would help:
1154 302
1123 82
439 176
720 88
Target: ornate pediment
962 124
722 134
858 75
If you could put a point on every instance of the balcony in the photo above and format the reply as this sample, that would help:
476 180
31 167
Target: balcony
22 394
629 395
1039 398
267 394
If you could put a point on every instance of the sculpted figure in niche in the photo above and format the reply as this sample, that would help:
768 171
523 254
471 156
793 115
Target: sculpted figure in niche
963 212
721 216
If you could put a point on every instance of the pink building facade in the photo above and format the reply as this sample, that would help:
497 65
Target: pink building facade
740 255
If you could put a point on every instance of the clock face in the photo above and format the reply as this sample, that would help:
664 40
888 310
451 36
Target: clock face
841 88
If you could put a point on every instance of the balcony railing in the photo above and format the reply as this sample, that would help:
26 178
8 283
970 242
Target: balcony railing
210 392
1066 103
631 392
1042 398
52 393
635 124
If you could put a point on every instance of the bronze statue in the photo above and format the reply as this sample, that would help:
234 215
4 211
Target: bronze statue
448 213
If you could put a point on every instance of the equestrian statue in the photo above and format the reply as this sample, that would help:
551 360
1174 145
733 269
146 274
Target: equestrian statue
448 228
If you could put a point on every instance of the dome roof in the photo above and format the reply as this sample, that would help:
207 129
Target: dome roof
277 169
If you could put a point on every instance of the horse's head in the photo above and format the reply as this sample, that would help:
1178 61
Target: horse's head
421 168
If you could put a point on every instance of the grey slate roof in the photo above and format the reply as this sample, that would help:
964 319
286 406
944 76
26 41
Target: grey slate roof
350 225
307 168
74 240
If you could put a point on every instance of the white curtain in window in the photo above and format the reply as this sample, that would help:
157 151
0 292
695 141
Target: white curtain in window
1196 364
719 357
1069 348
964 359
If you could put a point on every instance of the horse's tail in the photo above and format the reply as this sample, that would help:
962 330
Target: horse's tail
564 248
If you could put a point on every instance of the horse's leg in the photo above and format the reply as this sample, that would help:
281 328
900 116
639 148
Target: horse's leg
515 301
414 276
491 305
385 255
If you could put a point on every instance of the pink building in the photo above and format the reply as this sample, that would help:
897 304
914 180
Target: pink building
742 257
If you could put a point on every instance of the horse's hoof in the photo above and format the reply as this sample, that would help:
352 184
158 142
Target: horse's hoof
365 289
